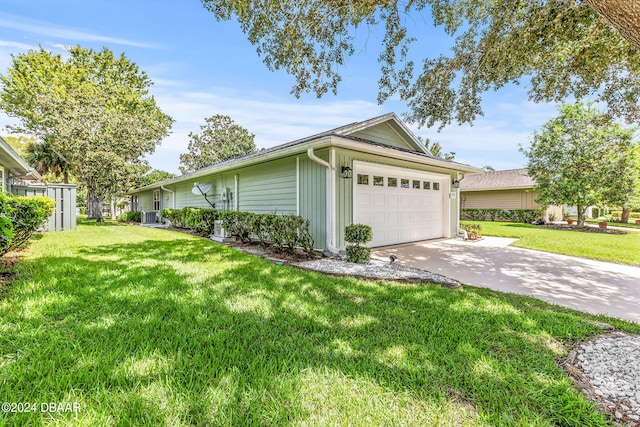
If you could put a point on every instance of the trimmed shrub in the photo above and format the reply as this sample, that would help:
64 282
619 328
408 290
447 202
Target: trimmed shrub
199 219
130 216
510 215
358 234
358 254
283 233
27 215
6 232
240 224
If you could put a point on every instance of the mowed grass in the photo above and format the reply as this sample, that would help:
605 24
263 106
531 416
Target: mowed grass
618 248
151 327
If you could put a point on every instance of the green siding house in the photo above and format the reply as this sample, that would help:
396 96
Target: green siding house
374 172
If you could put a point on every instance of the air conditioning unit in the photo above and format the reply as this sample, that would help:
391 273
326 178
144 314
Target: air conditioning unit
219 233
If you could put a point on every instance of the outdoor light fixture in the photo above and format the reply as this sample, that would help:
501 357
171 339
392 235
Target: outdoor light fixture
346 172
456 184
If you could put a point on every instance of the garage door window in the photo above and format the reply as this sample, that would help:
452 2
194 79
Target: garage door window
363 179
416 184
378 180
436 186
426 185
404 183
392 182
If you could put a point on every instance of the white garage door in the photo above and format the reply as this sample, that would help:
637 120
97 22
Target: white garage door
401 205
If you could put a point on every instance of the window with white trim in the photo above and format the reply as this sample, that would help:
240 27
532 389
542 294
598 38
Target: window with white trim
156 200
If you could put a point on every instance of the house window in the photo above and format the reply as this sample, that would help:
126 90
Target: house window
378 181
392 182
156 200
134 203
436 186
426 185
363 179
416 184
404 183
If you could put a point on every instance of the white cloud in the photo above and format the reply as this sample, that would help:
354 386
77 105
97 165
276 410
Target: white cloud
273 121
59 32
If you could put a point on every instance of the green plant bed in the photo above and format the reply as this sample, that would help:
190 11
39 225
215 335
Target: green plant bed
143 326
618 248
630 224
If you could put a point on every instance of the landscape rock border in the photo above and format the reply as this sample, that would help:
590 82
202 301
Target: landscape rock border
594 362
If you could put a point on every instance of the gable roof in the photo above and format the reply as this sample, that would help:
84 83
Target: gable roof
324 139
13 163
497 180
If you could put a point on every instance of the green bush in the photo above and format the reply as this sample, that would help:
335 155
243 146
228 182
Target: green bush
199 219
240 224
6 232
283 233
509 215
130 216
27 215
358 254
358 234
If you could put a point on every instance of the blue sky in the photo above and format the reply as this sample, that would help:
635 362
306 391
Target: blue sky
202 67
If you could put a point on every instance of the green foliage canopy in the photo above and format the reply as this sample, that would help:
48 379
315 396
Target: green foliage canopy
580 158
93 108
562 49
220 139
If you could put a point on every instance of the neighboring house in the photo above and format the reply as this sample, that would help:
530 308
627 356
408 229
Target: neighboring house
374 172
13 168
18 178
508 189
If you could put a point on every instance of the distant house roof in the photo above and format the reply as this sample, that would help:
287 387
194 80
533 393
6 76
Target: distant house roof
15 164
344 132
497 180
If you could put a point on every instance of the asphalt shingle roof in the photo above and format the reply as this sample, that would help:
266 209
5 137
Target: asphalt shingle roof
514 178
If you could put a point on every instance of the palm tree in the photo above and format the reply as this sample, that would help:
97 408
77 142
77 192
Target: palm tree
45 159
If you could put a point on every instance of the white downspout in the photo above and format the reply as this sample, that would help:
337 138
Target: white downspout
330 199
236 195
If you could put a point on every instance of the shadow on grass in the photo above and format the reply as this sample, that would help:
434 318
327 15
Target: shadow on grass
189 332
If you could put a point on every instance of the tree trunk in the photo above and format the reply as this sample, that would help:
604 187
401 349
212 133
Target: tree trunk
581 211
623 15
113 209
94 206
624 217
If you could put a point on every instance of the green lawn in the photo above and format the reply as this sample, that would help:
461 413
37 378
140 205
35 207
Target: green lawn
630 224
151 327
624 249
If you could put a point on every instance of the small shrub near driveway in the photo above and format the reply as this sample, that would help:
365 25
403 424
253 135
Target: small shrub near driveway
358 234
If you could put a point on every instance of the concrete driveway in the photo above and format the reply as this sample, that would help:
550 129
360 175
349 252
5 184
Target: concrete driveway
592 286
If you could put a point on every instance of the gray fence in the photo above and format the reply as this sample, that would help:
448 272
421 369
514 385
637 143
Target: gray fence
64 217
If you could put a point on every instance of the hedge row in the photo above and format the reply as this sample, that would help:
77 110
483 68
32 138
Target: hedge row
282 232
512 215
21 218
130 216
199 219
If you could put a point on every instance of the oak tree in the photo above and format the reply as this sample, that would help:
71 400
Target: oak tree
95 111
560 48
581 158
220 139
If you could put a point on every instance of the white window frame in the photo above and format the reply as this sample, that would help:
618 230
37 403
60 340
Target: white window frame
156 200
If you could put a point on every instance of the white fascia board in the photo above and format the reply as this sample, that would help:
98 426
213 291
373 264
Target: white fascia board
274 155
320 143
401 155
465 190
